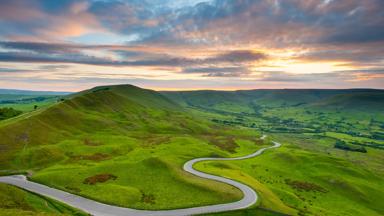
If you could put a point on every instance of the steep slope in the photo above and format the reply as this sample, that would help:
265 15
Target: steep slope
119 108
361 101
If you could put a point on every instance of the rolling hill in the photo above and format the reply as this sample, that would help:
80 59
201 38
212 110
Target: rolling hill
118 108
125 145
283 97
132 135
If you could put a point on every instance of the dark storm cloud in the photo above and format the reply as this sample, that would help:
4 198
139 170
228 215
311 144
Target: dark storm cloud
43 58
356 54
74 53
238 56
224 21
41 47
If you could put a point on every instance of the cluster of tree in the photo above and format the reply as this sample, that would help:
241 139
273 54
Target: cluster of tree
369 144
378 135
228 122
342 145
6 113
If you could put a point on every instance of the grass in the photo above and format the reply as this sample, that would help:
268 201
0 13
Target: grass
349 138
307 181
14 201
135 170
125 146
137 136
307 175
27 103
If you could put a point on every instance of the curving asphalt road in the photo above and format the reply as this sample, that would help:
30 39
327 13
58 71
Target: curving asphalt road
100 209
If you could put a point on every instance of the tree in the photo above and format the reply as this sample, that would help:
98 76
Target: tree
6 113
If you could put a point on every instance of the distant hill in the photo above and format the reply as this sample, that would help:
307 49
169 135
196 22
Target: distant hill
25 101
352 99
363 101
28 92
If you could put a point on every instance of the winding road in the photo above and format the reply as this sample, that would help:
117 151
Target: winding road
100 209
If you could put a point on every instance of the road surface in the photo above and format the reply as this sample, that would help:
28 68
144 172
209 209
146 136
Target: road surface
100 209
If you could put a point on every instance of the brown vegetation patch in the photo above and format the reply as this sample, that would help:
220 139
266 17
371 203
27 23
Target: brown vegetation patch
147 198
23 137
90 142
3 147
225 143
306 186
155 140
257 141
93 157
100 178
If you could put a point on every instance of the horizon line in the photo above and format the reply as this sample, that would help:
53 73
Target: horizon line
186 89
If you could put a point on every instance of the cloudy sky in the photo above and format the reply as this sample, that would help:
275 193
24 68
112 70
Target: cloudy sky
72 45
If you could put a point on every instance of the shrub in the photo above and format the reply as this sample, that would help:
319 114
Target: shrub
342 145
7 112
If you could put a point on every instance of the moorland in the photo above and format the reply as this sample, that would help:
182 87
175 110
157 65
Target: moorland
125 146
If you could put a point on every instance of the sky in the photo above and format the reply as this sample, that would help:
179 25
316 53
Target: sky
71 45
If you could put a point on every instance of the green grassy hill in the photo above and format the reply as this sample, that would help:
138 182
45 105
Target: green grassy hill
114 108
360 101
278 97
113 143
125 146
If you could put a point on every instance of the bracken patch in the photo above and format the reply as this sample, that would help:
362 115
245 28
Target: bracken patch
147 198
100 178
306 186
93 157
90 142
224 143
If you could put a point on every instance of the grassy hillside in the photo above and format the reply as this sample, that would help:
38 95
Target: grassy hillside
361 101
308 173
122 145
279 97
126 146
357 112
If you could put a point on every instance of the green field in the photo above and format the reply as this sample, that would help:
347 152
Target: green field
125 146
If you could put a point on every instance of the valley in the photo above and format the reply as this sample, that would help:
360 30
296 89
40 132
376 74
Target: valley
126 146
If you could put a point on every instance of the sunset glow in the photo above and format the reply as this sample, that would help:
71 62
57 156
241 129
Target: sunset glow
219 44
